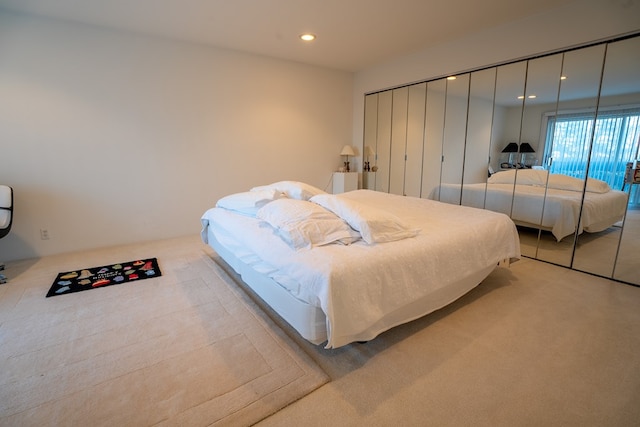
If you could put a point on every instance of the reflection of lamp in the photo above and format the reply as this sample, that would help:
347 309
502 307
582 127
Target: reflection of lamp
525 148
368 152
511 148
347 150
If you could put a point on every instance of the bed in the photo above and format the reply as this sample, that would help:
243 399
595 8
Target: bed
398 259
550 202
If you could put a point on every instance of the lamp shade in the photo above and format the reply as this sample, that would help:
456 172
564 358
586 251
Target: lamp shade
525 147
369 151
347 150
511 147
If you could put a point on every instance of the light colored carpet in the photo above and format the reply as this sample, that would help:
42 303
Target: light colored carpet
188 348
628 262
596 253
533 345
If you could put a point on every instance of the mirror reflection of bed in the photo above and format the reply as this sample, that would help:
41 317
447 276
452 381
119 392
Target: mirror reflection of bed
549 209
546 107
596 249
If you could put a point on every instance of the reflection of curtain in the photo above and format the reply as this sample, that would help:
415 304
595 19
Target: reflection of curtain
615 142
634 196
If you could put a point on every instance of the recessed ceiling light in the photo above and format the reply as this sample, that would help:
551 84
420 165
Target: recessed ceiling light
563 77
307 37
532 97
451 78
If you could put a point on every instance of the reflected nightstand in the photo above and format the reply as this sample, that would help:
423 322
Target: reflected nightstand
344 181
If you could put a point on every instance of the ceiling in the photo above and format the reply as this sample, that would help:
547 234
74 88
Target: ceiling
351 34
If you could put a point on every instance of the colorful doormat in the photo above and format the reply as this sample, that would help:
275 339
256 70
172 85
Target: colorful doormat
97 277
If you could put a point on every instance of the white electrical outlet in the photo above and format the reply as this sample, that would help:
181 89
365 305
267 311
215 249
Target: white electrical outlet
44 234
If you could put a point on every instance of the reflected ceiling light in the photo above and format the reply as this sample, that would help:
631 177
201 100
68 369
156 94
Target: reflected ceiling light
530 97
307 37
563 77
451 78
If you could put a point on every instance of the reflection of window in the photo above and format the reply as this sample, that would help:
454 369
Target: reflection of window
615 142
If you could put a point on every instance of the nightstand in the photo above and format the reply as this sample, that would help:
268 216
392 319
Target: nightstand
344 181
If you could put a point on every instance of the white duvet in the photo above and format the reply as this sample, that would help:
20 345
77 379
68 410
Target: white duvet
357 285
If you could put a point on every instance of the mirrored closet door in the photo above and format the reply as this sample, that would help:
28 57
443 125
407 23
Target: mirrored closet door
505 136
532 196
370 141
551 141
555 92
618 134
574 120
416 104
478 137
454 138
433 137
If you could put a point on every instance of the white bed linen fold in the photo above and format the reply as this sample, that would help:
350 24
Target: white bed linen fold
358 284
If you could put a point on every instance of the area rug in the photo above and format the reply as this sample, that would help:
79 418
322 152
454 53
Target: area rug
190 348
106 275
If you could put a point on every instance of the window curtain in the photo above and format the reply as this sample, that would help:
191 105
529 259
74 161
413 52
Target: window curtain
616 136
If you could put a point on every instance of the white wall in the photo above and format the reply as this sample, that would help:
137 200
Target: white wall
111 138
577 23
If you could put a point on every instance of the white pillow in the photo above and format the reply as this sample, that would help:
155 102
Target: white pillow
597 186
375 225
249 202
525 177
303 225
293 189
565 182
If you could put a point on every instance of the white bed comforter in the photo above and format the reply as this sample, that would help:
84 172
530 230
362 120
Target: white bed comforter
561 207
359 284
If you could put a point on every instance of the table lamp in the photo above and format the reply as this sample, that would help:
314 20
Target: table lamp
347 151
